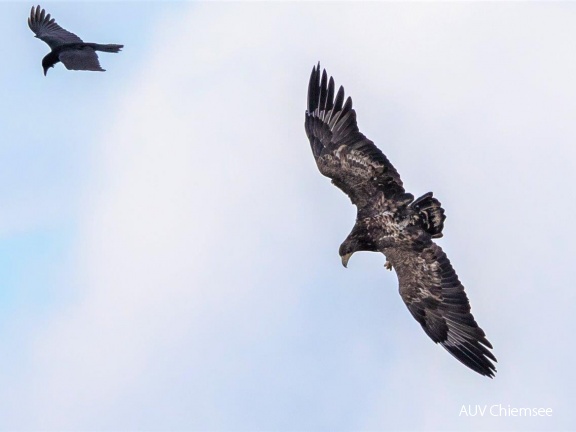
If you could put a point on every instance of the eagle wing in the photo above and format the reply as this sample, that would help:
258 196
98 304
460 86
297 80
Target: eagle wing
84 58
341 151
436 299
45 28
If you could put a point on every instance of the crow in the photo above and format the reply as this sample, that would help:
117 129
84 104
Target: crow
66 46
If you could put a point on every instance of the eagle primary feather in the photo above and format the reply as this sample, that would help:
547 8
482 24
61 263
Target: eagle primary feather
390 221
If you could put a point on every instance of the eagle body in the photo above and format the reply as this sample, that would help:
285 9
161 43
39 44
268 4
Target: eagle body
389 220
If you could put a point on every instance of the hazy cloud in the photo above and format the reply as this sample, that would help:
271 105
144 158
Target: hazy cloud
211 295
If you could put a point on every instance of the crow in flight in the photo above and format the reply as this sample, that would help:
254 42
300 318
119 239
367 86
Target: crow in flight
66 46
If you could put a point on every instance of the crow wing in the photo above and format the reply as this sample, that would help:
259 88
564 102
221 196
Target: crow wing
436 299
84 58
45 28
341 151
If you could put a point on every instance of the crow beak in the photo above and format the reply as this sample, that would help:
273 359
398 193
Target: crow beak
345 259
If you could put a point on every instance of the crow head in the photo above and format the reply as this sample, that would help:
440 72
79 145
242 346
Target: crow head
47 64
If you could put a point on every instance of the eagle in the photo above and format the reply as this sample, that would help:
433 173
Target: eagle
67 48
389 220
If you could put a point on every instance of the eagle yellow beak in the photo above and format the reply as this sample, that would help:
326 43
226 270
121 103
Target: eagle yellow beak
345 259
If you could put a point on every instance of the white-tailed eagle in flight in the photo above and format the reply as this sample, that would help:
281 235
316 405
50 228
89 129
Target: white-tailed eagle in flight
391 221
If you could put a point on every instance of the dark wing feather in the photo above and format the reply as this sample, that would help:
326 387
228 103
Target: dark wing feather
45 28
436 299
341 151
84 58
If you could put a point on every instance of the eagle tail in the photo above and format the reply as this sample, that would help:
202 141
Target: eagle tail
431 214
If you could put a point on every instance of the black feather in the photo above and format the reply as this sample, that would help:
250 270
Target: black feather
66 47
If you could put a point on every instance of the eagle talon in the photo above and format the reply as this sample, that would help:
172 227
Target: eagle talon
388 265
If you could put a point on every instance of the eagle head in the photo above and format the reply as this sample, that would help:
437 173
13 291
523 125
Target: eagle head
358 240
347 249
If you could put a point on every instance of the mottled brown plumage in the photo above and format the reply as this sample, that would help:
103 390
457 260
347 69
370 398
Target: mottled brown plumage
390 221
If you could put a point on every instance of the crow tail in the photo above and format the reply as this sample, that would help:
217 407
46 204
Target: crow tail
111 48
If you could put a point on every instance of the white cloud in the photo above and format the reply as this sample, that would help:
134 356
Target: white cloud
213 293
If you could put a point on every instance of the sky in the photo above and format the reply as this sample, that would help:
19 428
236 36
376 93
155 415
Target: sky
169 250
